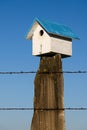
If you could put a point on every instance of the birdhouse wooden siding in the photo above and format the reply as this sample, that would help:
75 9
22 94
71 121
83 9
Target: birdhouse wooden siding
50 38
64 47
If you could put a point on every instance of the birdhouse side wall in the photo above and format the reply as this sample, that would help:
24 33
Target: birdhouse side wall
40 41
61 46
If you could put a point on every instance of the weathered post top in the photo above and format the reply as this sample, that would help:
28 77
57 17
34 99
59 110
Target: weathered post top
51 38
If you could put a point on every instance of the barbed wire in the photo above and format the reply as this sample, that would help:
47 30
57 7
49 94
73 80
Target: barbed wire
45 72
44 109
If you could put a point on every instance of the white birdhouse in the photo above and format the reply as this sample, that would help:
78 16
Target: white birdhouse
50 38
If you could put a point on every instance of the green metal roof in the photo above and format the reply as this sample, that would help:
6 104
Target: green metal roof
57 29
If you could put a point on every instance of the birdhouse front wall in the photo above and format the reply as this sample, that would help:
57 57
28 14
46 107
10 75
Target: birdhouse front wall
41 41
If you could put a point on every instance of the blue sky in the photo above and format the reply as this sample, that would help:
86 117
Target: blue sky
16 55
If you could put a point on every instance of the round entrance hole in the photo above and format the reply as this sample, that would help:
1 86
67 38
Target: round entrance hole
41 32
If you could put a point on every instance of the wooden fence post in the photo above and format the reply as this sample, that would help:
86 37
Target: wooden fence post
49 95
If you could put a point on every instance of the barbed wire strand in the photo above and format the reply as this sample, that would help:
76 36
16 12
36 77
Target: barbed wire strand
44 109
45 72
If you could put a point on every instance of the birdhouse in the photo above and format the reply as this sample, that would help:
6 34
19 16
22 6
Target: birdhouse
51 38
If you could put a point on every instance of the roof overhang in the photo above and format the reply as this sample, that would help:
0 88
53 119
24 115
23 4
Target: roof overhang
30 33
